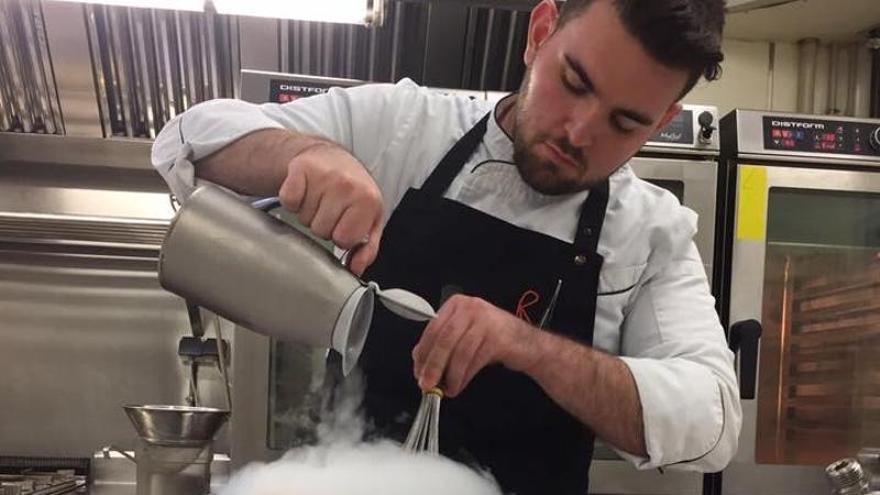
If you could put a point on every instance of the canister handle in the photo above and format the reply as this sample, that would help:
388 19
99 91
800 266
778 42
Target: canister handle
269 204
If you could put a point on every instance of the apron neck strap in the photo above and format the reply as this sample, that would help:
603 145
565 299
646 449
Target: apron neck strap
592 217
592 212
451 164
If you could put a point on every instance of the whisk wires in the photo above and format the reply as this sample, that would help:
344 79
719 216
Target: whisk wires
424 434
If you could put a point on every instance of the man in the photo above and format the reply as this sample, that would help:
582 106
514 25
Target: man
550 258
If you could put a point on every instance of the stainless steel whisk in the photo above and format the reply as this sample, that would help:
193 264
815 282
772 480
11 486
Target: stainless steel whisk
424 434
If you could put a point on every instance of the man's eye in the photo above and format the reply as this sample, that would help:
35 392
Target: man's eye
620 127
573 88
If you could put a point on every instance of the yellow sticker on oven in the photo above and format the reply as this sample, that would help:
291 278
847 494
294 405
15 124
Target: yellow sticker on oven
751 203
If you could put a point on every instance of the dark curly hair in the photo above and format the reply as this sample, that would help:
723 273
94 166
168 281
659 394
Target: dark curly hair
682 34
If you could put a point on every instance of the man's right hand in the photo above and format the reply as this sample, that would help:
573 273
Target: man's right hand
332 193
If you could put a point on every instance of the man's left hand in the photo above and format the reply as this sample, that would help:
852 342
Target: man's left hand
467 335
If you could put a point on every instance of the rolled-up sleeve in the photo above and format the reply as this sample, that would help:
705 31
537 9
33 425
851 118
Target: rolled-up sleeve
210 126
675 347
199 132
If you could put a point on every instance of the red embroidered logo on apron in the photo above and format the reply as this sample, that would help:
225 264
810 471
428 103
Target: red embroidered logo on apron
529 298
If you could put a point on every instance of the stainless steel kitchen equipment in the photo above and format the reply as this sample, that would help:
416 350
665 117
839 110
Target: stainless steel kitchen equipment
251 268
175 448
228 255
85 325
24 475
802 246
176 425
847 477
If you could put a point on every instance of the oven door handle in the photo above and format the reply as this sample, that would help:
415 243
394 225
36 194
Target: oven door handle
744 337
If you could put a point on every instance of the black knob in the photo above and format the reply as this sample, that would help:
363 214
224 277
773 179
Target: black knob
705 119
875 139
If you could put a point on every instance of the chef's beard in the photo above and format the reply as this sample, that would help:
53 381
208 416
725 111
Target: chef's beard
545 176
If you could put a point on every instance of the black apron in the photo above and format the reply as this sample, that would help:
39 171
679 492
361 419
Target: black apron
503 421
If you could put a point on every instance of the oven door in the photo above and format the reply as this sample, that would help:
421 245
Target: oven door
806 264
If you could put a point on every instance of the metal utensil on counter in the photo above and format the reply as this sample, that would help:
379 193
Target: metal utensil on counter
251 268
175 448
176 425
847 477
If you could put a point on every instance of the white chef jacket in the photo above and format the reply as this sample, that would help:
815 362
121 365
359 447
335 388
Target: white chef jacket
659 317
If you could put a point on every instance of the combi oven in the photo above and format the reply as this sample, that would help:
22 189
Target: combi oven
803 247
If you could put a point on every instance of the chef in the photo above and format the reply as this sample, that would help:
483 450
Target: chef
573 302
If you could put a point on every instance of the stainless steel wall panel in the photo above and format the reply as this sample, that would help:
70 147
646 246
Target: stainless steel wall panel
28 93
204 58
152 65
260 43
373 44
329 63
284 34
12 50
13 44
414 32
493 57
146 82
44 98
484 64
231 43
380 53
350 39
86 327
508 49
7 115
105 104
444 44
395 40
212 76
185 60
122 63
23 151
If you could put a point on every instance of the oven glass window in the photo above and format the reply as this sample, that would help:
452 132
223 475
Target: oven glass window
819 390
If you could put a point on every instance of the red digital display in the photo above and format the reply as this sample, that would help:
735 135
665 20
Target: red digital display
819 135
287 97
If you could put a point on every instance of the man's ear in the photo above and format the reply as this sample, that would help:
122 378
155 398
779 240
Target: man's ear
670 114
542 22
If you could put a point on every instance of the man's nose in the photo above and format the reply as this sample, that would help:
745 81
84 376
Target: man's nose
583 122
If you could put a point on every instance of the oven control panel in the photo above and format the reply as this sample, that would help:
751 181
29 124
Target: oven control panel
837 137
695 127
285 91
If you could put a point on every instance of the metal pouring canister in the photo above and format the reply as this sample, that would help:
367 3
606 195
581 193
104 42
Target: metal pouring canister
257 271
